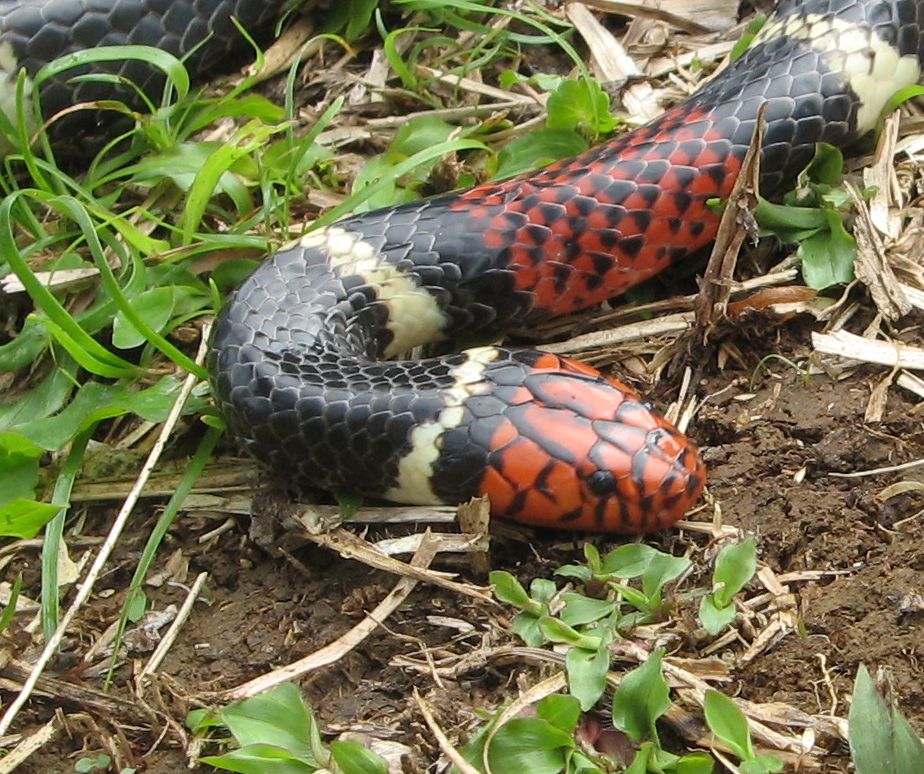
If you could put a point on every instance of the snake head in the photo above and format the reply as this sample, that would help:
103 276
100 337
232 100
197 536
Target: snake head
575 449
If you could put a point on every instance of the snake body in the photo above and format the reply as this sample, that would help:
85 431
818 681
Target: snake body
300 357
33 33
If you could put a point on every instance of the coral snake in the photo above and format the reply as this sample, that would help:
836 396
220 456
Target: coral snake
300 356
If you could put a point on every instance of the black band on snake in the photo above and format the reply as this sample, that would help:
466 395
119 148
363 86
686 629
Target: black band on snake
300 354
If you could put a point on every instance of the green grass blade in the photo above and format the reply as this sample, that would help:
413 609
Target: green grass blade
54 531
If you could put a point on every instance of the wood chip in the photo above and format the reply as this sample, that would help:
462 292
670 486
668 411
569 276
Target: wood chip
889 353
612 63
693 16
736 225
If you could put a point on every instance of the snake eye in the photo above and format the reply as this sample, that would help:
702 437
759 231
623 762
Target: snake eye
602 482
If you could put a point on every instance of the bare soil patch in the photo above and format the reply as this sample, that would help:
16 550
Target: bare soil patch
771 450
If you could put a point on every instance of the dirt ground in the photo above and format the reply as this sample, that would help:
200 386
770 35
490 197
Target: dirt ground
771 452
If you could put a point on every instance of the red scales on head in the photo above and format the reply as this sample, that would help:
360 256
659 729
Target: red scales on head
576 449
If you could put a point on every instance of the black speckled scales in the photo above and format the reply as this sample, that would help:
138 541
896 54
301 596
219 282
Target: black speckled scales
39 31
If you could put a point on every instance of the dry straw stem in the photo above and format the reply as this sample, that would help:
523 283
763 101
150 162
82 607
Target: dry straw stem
736 225
28 745
693 16
350 546
163 647
612 63
426 710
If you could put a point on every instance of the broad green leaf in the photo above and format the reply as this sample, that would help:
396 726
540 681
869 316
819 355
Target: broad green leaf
509 590
826 167
909 752
23 518
558 631
629 560
561 710
714 618
828 255
643 757
353 758
662 569
94 402
526 627
100 762
529 745
543 590
536 150
580 572
695 763
734 567
789 223
41 401
881 740
587 671
136 605
641 698
419 134
276 719
728 723
634 597
19 466
580 610
260 759
154 307
580 105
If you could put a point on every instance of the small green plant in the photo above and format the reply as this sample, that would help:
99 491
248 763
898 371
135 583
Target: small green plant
730 725
734 567
589 623
813 215
276 731
642 697
578 114
546 743
881 740
611 595
91 763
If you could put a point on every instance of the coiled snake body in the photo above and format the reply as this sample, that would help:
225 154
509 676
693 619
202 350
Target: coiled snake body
299 355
